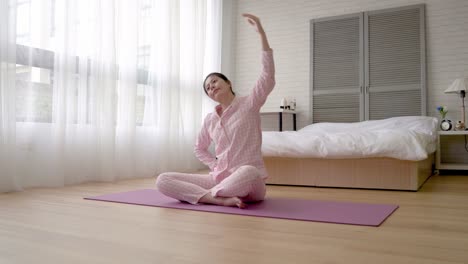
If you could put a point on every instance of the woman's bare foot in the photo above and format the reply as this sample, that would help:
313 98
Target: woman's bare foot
234 201
224 201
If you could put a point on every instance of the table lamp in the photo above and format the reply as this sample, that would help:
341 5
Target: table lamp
459 86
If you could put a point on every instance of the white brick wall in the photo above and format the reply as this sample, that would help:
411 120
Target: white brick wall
287 25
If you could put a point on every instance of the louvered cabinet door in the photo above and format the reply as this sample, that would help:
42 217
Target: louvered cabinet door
336 69
394 63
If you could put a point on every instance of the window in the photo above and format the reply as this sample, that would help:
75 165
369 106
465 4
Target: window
36 48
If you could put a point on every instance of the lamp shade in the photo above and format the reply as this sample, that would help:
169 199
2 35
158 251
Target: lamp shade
460 84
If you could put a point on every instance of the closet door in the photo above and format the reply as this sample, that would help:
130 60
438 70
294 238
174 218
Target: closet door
337 69
394 63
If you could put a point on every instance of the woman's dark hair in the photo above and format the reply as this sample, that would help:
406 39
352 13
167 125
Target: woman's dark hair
220 75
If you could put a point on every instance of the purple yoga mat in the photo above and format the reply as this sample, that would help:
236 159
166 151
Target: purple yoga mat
297 209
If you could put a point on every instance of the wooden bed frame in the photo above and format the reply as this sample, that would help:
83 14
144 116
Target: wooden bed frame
368 173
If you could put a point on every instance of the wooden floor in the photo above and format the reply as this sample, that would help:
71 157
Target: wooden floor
59 226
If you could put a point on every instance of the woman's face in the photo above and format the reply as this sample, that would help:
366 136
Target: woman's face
217 88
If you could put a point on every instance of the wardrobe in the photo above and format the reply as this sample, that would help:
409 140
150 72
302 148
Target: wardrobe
368 65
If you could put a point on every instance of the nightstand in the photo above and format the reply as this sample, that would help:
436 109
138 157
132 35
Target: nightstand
440 165
281 115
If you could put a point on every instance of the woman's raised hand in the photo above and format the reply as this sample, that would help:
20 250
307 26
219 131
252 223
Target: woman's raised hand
255 22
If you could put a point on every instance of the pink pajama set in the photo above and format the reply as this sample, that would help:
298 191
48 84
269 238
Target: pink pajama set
238 168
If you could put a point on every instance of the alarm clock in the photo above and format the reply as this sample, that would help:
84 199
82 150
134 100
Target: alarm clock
446 125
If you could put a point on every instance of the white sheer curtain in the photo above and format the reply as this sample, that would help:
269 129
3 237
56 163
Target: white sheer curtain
122 97
8 180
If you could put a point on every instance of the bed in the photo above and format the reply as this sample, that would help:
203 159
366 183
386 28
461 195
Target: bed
394 154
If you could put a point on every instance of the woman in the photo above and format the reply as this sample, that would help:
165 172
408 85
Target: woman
237 171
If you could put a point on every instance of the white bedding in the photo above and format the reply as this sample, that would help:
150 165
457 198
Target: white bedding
404 138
